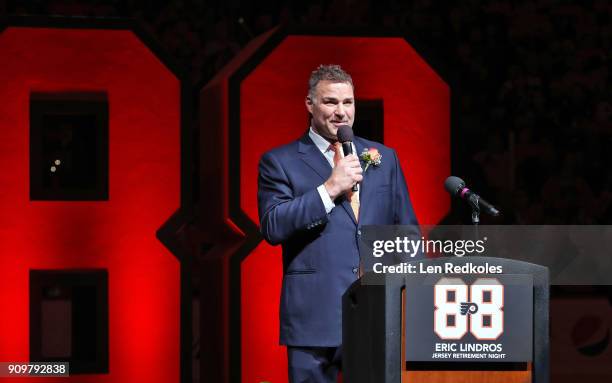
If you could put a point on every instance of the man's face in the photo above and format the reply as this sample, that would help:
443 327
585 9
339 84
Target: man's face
333 105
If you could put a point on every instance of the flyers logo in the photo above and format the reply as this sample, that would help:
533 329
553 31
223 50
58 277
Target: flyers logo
459 308
469 307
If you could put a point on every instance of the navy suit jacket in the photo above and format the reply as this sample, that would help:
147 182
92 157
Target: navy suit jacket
320 250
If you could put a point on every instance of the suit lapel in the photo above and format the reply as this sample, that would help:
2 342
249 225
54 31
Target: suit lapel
364 187
312 156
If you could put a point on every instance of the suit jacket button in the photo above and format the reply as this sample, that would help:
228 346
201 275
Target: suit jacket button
358 232
355 270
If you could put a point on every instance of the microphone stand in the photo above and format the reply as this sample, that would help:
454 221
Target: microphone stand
473 201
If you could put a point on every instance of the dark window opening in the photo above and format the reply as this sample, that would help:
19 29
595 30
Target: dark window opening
69 318
68 146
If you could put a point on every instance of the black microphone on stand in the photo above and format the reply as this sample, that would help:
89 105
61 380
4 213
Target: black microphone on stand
345 137
456 187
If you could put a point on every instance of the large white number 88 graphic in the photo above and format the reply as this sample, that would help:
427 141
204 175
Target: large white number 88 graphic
484 305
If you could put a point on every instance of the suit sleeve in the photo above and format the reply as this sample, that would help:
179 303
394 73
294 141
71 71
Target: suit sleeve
404 213
282 213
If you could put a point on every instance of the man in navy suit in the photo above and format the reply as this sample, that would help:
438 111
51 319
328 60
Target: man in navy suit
306 204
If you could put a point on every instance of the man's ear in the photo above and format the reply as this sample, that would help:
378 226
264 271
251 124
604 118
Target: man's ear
308 101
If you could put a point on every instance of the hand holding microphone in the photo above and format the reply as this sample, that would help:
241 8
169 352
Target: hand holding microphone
345 137
347 172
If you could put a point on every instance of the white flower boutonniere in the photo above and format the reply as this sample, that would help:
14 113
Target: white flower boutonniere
370 156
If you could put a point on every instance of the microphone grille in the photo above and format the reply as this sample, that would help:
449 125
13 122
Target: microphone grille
453 184
345 133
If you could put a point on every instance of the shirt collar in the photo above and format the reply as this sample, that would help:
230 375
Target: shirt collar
318 140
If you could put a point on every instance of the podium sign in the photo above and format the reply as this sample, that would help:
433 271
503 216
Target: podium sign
469 318
448 320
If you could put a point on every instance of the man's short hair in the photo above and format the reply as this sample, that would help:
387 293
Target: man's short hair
333 73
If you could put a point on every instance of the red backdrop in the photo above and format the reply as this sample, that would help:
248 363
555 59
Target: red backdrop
118 234
416 123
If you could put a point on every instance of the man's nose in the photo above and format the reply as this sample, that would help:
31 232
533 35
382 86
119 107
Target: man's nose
340 110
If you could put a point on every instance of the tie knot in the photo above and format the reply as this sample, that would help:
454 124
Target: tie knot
336 147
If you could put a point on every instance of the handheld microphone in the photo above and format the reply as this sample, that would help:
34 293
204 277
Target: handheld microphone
456 187
345 137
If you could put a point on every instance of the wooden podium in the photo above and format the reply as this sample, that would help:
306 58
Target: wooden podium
375 316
